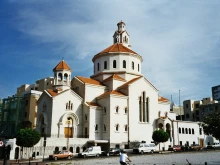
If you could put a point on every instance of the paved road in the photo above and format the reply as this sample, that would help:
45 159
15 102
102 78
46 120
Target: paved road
195 158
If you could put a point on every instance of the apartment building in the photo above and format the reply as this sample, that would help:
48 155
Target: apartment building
11 116
216 92
20 110
196 110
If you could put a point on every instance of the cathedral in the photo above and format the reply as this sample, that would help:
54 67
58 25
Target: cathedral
115 107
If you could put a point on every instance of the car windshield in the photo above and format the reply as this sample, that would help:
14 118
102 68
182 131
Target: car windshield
137 145
88 149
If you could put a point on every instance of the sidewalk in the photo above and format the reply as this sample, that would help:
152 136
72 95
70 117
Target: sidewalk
24 162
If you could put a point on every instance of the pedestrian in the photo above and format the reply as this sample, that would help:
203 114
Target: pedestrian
123 158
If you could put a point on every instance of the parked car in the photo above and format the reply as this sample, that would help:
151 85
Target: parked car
195 147
61 155
175 148
144 147
91 151
112 151
213 146
185 148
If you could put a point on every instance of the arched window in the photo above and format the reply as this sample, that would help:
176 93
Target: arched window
126 128
183 130
125 39
147 109
60 77
65 77
193 131
126 110
179 130
116 109
114 64
132 65
140 110
144 108
105 65
77 149
117 127
189 131
124 64
186 130
98 67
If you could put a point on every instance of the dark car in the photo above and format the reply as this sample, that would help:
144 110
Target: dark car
175 148
112 151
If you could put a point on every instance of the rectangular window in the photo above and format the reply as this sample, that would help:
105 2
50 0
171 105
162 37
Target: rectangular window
186 105
187 116
197 105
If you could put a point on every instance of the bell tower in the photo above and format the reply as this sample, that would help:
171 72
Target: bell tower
121 35
62 76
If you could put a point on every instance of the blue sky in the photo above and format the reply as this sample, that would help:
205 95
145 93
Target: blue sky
178 40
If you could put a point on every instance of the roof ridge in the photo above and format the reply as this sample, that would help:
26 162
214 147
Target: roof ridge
89 80
130 81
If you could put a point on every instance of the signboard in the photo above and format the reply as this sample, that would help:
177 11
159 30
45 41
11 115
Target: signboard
1 143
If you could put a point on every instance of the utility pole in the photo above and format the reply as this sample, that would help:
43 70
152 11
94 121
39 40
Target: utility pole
180 107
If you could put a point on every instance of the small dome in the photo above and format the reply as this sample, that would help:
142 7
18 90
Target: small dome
62 66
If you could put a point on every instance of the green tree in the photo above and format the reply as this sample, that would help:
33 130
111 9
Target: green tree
211 124
27 137
159 136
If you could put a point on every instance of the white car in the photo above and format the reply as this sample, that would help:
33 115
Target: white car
144 147
91 151
216 145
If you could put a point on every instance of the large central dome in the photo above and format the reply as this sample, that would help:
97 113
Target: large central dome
117 58
115 48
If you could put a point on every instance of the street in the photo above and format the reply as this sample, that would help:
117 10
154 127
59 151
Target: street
211 157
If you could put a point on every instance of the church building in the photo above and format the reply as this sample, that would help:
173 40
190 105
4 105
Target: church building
115 107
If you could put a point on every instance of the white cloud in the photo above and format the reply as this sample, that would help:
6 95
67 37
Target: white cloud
177 40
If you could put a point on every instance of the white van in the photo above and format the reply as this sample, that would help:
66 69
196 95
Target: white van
91 151
144 147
